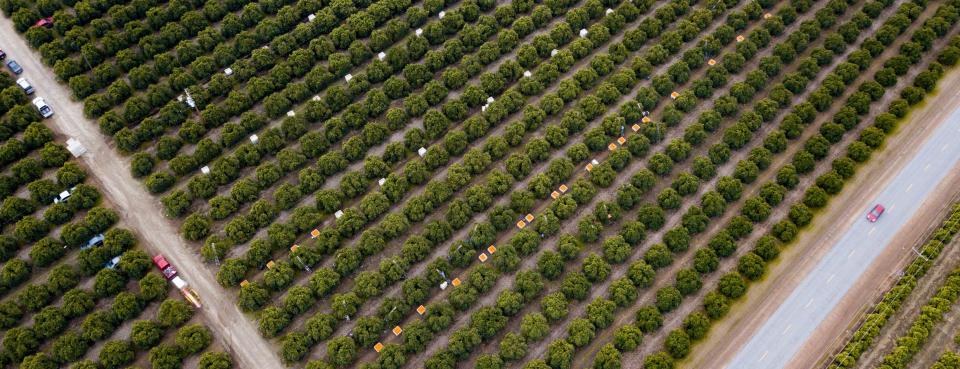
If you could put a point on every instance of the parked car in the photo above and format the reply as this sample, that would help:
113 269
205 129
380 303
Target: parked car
63 196
14 67
42 107
3 55
95 241
27 88
875 213
112 263
44 22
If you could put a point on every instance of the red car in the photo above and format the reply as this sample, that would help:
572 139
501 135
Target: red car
875 213
44 22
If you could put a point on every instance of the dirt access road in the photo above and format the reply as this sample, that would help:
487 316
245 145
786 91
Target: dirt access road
763 299
140 210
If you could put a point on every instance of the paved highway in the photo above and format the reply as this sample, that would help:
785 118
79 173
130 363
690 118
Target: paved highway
782 335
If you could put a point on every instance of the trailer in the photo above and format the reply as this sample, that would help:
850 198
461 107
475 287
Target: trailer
170 273
187 291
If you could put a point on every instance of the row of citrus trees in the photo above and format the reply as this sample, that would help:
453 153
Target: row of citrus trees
326 231
268 173
601 178
949 360
716 303
487 230
279 237
864 337
677 240
405 309
57 304
508 260
931 314
458 225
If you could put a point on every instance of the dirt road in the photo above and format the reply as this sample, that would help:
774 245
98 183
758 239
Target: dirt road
763 299
138 209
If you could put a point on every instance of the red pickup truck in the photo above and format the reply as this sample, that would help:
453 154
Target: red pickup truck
165 267
170 273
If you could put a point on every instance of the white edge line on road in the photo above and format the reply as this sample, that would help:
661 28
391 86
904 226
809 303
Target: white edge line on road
787 329
871 231
830 278
850 255
944 148
764 356
808 303
928 164
909 187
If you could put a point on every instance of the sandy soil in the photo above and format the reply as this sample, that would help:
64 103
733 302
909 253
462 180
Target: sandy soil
139 210
763 299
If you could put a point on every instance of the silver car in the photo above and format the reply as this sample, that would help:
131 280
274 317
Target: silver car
112 263
27 88
95 241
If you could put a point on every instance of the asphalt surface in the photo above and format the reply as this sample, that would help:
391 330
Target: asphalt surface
783 334
139 210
